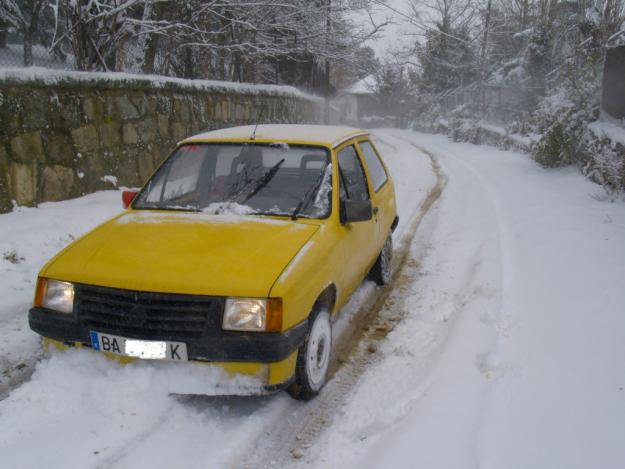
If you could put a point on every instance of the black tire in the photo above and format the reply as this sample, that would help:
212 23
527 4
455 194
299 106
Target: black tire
313 358
381 271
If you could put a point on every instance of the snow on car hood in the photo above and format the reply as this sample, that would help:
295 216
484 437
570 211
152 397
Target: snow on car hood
181 252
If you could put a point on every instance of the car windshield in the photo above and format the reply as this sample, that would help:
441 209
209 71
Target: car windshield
265 179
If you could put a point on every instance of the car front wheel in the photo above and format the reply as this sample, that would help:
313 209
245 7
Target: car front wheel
313 359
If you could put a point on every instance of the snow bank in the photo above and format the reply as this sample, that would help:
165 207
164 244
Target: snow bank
29 237
124 416
608 130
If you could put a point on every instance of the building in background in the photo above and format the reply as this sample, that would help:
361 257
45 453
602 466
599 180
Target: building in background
357 105
613 86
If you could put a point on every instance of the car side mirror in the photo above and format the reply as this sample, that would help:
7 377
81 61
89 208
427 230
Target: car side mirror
355 210
128 197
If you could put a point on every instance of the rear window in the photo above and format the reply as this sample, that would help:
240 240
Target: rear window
376 168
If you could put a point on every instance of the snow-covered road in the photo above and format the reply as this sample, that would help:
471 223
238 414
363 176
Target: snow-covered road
512 355
507 350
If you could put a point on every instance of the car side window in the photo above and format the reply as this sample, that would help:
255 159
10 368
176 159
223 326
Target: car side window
376 168
353 181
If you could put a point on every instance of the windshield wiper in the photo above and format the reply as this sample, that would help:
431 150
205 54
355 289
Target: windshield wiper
258 183
263 181
305 200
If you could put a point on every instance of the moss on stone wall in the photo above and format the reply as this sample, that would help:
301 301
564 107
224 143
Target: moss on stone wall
60 140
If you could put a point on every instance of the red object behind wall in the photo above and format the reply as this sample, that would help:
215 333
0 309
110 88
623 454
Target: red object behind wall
128 197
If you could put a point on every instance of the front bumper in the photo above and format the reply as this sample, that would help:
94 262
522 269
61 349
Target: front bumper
221 346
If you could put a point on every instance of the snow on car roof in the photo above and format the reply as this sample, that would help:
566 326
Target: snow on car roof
290 133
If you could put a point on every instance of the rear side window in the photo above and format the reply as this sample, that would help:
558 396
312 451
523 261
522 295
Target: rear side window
352 177
376 168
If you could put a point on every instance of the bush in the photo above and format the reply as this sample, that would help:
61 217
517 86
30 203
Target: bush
463 125
555 147
605 163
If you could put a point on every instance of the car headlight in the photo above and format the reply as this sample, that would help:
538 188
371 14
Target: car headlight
253 314
56 295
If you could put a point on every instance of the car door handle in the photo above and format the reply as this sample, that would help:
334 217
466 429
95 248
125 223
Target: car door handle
375 210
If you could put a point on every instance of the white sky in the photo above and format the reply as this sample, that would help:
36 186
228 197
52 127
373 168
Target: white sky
395 34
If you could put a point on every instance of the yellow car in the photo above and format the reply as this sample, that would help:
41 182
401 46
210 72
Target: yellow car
238 252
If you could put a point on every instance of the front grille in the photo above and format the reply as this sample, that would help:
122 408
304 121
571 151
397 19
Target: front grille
147 315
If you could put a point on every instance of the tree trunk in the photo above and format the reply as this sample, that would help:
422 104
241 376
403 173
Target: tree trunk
29 33
120 54
150 43
149 54
28 49
3 34
483 58
326 116
189 69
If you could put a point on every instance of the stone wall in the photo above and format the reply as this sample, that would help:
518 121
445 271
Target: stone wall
63 135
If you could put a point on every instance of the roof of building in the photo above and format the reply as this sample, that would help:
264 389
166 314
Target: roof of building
330 135
365 86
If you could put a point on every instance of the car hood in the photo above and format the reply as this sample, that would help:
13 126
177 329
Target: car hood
181 252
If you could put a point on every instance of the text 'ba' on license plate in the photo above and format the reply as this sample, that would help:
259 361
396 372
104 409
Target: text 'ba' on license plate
146 349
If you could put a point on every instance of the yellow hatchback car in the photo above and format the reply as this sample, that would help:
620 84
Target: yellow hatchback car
238 252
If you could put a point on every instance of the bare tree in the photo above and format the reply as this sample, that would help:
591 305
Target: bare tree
24 16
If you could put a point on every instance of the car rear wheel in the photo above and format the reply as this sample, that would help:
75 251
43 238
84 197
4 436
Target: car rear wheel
381 271
313 359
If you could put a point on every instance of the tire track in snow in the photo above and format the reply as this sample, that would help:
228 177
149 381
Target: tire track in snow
353 353
488 362
502 322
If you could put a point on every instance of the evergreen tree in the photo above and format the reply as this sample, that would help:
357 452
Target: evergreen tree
447 59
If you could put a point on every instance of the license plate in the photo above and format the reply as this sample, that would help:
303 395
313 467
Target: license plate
146 349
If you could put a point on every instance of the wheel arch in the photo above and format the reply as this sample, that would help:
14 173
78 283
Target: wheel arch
326 300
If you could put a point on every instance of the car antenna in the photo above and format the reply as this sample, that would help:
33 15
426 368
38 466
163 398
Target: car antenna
260 116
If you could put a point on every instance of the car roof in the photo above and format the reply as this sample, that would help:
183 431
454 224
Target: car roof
327 135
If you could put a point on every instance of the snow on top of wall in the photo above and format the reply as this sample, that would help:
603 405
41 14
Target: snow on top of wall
608 130
119 79
524 142
493 128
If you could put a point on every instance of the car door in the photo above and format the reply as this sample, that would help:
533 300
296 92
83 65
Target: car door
358 238
381 190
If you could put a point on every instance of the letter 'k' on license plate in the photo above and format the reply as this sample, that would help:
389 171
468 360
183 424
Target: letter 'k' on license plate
146 349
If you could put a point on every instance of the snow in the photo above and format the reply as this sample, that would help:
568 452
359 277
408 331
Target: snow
321 204
110 179
111 412
609 130
233 213
57 77
525 142
509 354
228 208
35 235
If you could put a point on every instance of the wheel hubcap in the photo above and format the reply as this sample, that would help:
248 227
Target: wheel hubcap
318 352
